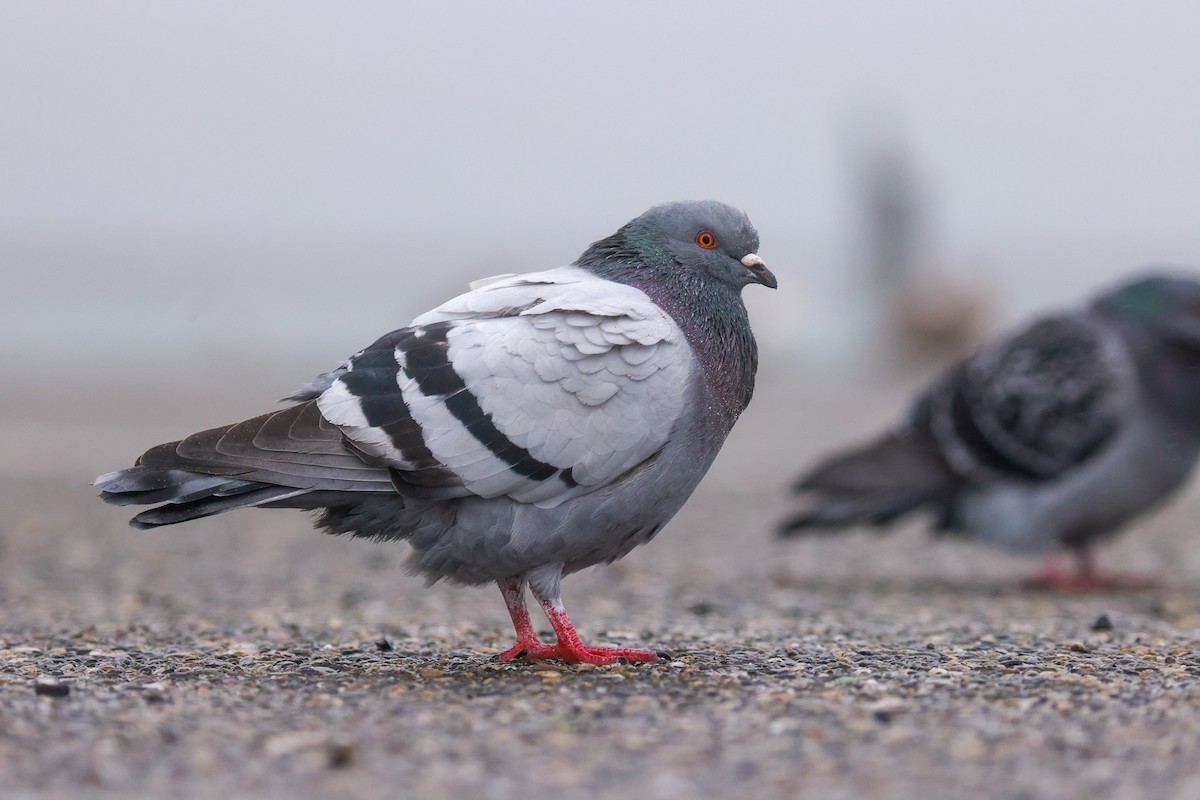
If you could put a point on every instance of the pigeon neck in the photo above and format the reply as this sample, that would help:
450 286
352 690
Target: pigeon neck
718 329
1169 374
712 317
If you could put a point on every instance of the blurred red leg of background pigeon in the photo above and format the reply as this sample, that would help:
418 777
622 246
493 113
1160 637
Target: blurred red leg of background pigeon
1086 577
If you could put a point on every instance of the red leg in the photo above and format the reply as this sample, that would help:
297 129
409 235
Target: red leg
527 638
1054 574
1086 577
571 648
568 647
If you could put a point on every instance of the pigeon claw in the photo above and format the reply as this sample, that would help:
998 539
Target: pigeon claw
1088 582
1085 577
517 651
578 654
568 648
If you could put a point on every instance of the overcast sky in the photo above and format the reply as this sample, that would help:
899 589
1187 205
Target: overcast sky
183 155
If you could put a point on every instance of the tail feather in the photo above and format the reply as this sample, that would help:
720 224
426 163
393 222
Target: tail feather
274 459
873 485
149 485
180 511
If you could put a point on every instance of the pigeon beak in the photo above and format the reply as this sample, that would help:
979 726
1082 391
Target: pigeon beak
759 272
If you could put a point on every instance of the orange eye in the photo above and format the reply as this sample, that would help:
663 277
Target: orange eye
706 239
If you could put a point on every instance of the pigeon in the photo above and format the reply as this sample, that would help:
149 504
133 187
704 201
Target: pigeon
539 424
1043 442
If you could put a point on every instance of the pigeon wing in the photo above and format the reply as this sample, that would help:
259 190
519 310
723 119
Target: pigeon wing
1031 407
538 387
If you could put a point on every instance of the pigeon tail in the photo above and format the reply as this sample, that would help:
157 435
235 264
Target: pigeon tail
898 474
285 459
184 495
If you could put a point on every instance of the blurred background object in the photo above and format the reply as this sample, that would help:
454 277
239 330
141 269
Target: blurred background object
924 312
1048 440
163 166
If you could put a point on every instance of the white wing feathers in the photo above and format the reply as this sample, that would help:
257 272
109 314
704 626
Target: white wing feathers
540 387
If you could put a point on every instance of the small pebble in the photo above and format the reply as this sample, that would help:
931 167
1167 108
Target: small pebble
50 688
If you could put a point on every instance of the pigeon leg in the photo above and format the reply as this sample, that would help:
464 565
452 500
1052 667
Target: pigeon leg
527 638
1091 577
1086 577
569 647
1054 574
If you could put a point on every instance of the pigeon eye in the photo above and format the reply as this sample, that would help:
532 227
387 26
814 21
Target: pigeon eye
706 239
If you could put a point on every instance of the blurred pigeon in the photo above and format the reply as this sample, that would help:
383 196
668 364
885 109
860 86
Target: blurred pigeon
536 425
1042 442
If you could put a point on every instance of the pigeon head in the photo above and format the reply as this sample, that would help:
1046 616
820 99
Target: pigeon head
700 240
1164 306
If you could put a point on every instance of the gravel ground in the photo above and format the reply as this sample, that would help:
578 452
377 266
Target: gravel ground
247 655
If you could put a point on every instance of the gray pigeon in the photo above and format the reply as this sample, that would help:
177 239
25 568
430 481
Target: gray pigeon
1043 442
534 426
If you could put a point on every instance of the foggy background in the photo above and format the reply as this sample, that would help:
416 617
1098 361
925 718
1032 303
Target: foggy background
219 200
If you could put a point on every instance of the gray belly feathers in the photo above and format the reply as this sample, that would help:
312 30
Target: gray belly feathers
475 540
1124 481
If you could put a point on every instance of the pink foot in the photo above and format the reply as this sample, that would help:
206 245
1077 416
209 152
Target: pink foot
1089 582
568 648
600 656
1054 576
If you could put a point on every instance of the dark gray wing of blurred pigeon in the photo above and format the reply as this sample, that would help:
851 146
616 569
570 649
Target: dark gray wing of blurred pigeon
537 425
1046 440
